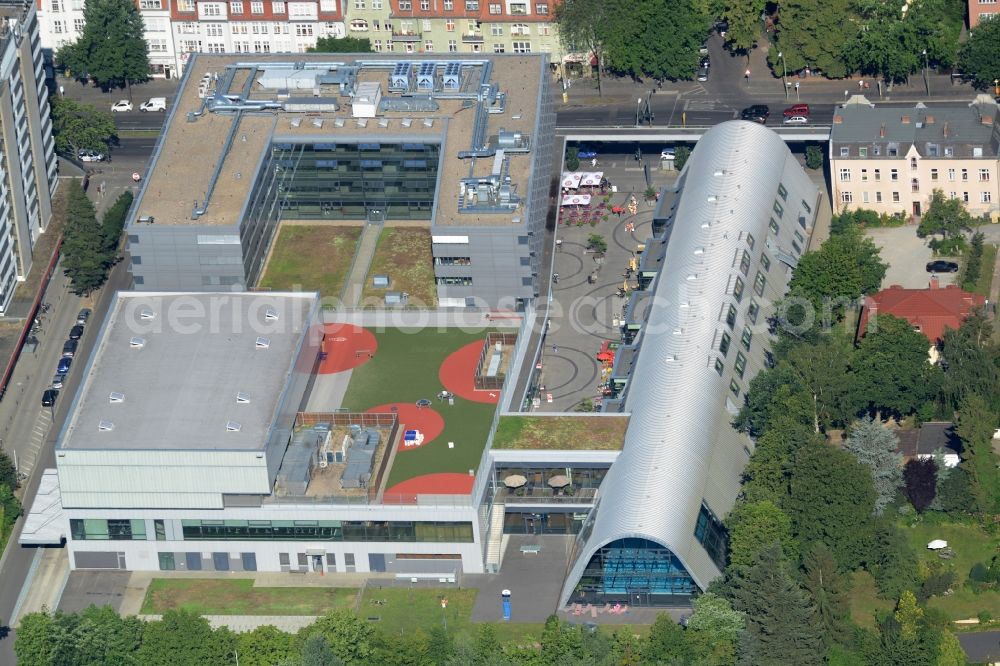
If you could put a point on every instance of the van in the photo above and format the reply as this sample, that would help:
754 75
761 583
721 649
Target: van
154 104
69 348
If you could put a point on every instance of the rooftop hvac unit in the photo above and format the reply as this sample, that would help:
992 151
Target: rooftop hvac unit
270 314
425 76
262 342
137 342
105 426
116 397
400 77
233 426
242 398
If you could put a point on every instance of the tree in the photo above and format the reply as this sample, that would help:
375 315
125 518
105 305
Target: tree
633 37
971 361
761 404
264 646
754 527
561 643
349 637
77 126
681 155
892 372
973 262
766 477
814 157
342 45
316 652
830 594
831 499
945 216
908 614
113 222
112 48
891 560
980 56
34 639
823 369
976 424
845 267
812 35
714 629
781 621
597 243
920 480
666 643
582 29
84 257
878 449
181 638
440 645
8 473
744 23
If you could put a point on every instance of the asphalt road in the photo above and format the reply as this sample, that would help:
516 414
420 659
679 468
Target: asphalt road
131 151
137 120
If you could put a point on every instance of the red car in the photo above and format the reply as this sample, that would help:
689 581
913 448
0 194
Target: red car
797 110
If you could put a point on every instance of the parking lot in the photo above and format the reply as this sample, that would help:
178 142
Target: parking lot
907 256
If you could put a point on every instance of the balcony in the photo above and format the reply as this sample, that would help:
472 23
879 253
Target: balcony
546 496
472 37
406 36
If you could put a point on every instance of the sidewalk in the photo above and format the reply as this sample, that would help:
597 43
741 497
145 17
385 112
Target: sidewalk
46 579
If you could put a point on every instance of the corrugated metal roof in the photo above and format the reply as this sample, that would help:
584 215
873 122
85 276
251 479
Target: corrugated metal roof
677 400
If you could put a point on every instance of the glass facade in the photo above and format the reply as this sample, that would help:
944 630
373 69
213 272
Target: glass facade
352 181
543 523
107 530
326 530
712 535
638 572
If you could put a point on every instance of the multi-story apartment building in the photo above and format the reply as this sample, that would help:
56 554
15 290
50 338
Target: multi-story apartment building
455 26
27 156
891 159
982 10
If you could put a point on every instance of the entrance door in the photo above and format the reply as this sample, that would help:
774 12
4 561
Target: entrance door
529 523
317 563
916 209
376 215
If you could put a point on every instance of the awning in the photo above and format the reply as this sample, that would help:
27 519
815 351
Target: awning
592 179
45 524
571 180
576 200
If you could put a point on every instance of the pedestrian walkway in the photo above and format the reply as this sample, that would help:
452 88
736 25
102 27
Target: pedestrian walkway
43 587
289 624
363 255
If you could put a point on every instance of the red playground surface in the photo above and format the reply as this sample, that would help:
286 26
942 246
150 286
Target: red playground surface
445 483
411 417
457 374
346 346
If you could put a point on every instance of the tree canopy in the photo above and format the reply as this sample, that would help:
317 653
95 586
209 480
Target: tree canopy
877 448
342 45
979 57
112 49
892 373
77 126
944 216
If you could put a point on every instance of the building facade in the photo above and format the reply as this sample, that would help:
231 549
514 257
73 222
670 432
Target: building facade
891 159
27 155
727 241
982 10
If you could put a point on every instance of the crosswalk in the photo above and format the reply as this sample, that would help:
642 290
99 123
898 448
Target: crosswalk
702 105
39 432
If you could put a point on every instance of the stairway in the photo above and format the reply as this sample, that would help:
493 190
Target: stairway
494 547
363 255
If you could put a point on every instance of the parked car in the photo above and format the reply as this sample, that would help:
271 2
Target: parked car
704 49
722 27
705 62
83 316
757 113
90 156
941 266
703 74
668 153
797 110
76 332
57 381
154 104
64 365
49 397
121 106
796 120
586 152
69 348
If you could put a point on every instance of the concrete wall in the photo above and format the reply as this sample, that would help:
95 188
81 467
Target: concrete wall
174 258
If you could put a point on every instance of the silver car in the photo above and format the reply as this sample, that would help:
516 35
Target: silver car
57 381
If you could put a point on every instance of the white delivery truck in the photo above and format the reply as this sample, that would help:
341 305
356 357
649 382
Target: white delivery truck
154 104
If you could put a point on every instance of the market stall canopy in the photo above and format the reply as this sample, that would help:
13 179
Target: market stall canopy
576 200
515 481
571 180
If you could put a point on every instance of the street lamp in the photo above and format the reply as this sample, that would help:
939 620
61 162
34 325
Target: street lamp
638 109
996 87
927 83
784 73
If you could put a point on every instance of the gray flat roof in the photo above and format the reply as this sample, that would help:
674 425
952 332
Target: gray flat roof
175 377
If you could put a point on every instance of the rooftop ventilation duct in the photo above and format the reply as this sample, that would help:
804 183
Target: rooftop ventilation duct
137 342
270 314
116 397
242 398
146 314
296 122
317 122
105 426
233 426
262 342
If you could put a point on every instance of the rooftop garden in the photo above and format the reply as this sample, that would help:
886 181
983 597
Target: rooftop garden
583 433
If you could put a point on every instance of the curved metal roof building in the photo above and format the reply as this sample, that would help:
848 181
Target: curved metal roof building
742 214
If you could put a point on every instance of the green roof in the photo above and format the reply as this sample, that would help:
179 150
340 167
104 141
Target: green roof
586 432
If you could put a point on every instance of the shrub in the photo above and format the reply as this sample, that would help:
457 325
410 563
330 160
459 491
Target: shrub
572 159
979 573
985 617
681 155
937 583
814 157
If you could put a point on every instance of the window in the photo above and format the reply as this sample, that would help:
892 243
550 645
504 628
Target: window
57 6
719 366
377 45
278 7
472 5
845 175
951 175
984 175
520 29
496 30
934 174
782 192
498 48
359 24
806 206
519 8
303 29
893 150
425 5
734 387
449 5
985 197
741 364
894 175
327 530
521 47
256 7
845 151
542 10
765 261
167 562
778 208
895 197
846 197
864 175
864 197
236 7
58 27
878 197
150 4
405 5
724 343
753 311
452 46
913 163
731 316
878 175
758 283
78 24
949 151
745 263
965 197
773 226
449 25
750 241
965 175
495 9
428 46
160 530
746 338
932 150
863 151
712 535
738 289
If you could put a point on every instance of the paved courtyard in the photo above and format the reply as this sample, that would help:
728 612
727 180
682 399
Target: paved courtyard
100 588
907 255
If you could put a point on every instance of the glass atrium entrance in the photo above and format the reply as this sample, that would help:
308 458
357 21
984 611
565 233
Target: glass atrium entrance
637 572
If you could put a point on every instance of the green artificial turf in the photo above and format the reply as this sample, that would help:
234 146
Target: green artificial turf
405 369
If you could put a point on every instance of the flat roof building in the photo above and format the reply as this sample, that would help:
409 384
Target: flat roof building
461 144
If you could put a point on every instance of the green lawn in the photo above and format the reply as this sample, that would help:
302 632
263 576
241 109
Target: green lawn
311 258
211 596
405 369
971 545
404 254
561 432
986 273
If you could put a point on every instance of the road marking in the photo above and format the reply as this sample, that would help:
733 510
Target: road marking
39 431
701 105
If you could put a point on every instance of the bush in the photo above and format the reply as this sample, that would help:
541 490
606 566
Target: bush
979 573
572 159
681 155
973 263
814 157
985 617
947 246
937 583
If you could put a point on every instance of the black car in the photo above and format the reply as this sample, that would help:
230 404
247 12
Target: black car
941 266
49 397
757 113
76 332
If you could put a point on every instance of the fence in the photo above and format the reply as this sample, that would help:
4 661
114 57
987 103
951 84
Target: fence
495 383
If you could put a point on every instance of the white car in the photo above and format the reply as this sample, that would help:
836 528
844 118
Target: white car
90 156
796 120
667 154
121 106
